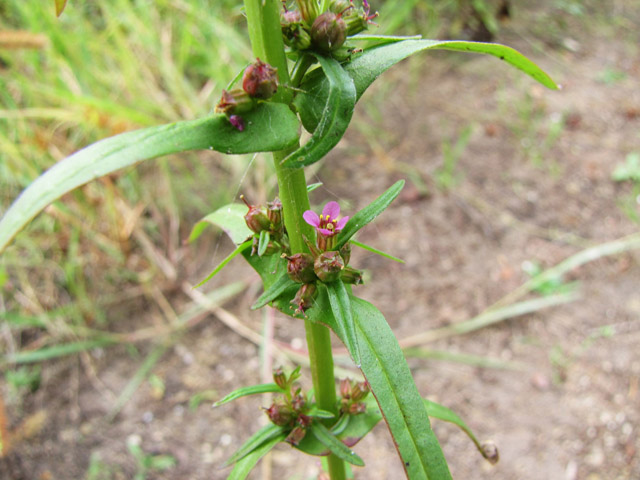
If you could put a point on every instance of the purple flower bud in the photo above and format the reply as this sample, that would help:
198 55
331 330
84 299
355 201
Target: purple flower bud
280 414
328 266
304 421
304 298
260 80
256 219
328 32
237 121
300 268
234 102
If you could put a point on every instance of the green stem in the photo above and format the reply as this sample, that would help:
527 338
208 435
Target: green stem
263 17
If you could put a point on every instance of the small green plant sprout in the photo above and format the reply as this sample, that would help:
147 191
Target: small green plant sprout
446 176
312 61
147 463
550 286
629 171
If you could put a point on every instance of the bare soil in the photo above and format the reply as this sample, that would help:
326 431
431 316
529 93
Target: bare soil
562 397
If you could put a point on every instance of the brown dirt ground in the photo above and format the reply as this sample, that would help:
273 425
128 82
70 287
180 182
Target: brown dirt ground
570 411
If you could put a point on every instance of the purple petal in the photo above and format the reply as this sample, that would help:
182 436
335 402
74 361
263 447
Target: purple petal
311 218
326 232
332 210
341 223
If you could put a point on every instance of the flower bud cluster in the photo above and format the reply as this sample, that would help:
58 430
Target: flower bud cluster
267 219
326 32
259 82
352 395
292 409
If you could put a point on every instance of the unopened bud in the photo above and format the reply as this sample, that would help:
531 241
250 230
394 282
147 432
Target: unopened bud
304 421
345 253
328 266
345 388
359 391
234 102
298 402
356 408
309 10
351 275
260 80
328 32
296 436
256 219
296 36
305 297
300 268
280 378
280 414
340 6
274 212
490 452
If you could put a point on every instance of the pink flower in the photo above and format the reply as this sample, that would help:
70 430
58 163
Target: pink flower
326 224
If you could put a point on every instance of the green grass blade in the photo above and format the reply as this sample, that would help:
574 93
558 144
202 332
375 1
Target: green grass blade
266 433
388 374
55 351
341 307
112 154
244 466
337 109
239 249
336 446
369 213
252 390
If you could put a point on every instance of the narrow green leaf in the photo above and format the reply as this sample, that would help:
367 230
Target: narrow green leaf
263 242
445 414
311 187
388 374
244 466
266 433
341 308
115 153
251 390
369 213
368 66
316 412
239 249
60 4
376 251
336 446
230 219
274 291
384 38
336 115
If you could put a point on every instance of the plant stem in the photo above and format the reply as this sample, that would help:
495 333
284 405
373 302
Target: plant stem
263 17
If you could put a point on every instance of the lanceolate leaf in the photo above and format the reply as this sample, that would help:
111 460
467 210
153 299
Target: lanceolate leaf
336 446
369 65
341 309
371 249
388 374
229 218
368 213
269 127
337 108
239 249
274 291
267 435
251 390
60 4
